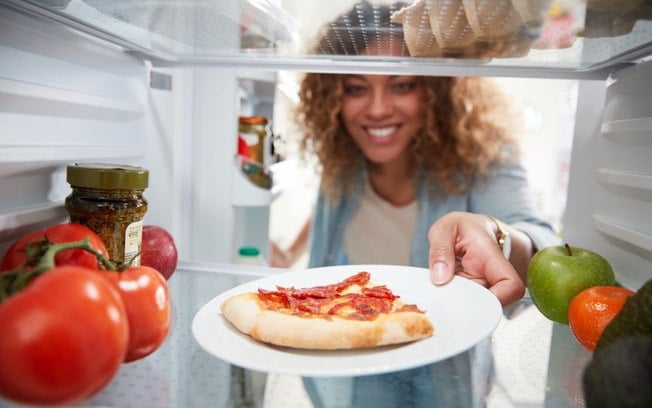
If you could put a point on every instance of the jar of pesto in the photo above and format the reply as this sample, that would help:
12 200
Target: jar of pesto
108 199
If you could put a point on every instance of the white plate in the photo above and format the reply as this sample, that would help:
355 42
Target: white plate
462 312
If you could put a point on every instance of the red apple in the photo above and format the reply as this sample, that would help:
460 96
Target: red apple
158 250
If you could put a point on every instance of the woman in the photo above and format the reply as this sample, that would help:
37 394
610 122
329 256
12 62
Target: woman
420 171
434 158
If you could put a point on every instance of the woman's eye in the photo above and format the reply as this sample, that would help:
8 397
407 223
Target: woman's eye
354 89
406 86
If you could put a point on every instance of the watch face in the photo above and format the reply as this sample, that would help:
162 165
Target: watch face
506 245
503 238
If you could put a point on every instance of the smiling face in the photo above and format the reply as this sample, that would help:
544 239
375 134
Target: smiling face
383 113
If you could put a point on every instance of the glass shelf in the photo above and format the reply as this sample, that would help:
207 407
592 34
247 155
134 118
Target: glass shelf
542 38
528 361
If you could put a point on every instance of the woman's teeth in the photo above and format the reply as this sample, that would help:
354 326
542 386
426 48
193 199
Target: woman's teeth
381 132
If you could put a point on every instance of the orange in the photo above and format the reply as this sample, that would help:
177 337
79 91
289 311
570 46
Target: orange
592 309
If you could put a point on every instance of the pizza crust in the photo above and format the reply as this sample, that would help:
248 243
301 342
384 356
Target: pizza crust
246 313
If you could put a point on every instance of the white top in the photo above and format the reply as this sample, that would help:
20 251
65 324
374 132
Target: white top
380 232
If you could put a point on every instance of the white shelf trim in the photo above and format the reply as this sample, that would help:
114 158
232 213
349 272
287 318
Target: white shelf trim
633 130
616 230
61 154
32 215
625 178
14 91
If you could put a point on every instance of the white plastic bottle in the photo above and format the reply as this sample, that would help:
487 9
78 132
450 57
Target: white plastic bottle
249 255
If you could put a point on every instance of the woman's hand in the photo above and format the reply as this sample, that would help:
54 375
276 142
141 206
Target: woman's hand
465 244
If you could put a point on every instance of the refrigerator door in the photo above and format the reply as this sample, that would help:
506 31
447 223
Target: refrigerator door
610 186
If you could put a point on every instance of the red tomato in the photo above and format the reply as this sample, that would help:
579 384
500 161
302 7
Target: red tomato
145 294
63 337
58 233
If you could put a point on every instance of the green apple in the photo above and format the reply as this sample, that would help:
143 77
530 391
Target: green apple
557 273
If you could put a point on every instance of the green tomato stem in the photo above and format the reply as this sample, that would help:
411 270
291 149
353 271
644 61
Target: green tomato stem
16 280
5 282
47 261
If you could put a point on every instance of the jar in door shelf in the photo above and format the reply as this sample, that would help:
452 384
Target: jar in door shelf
254 145
108 198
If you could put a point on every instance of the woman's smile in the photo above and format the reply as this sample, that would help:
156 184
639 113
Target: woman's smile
381 133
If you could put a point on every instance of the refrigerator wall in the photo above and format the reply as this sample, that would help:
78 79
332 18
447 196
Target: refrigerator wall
62 101
610 187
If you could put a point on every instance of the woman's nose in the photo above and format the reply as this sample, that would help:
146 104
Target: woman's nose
381 104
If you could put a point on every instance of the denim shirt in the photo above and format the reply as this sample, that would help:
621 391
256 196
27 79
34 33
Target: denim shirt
505 195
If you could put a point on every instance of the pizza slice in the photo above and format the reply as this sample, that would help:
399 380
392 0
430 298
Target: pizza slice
350 314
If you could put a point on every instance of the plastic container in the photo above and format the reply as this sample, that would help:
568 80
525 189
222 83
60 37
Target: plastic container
249 255
108 198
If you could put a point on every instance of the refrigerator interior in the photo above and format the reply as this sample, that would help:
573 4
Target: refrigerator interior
161 84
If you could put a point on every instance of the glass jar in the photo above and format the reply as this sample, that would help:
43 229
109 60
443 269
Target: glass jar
253 145
108 199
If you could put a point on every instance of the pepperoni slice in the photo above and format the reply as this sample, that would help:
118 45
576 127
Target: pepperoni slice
379 292
311 301
308 305
366 308
273 298
360 278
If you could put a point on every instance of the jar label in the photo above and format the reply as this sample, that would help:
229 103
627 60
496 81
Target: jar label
251 139
133 241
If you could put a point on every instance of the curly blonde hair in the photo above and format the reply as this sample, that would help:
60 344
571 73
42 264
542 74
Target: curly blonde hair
467 131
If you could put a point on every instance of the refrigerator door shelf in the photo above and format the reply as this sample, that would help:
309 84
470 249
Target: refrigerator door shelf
15 224
244 193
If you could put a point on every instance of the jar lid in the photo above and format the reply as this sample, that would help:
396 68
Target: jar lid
252 120
107 176
249 251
